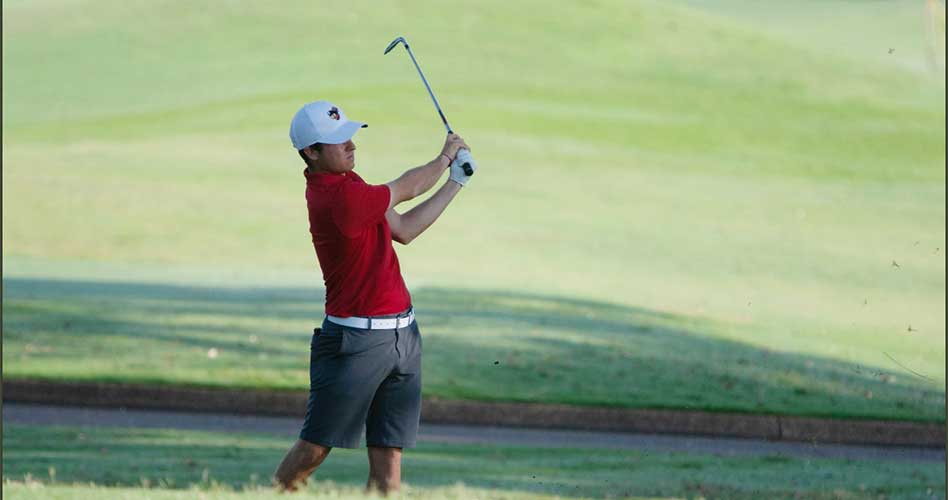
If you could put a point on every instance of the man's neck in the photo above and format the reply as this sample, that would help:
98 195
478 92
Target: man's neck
310 170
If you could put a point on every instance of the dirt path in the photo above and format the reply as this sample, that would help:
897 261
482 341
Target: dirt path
19 413
681 422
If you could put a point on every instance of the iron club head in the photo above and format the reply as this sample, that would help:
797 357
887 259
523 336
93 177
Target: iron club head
396 42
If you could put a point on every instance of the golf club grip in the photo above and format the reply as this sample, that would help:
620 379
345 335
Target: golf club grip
468 171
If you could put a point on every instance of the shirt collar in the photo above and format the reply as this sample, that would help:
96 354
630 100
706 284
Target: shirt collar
326 178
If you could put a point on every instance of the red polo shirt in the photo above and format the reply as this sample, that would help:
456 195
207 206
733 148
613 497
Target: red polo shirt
353 243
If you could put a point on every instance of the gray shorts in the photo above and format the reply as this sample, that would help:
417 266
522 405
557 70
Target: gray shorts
364 377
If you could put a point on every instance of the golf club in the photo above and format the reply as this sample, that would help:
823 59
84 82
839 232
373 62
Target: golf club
467 166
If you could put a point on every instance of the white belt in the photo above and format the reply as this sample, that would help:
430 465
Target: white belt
374 323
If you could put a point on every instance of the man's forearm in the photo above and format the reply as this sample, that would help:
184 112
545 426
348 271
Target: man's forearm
420 179
416 220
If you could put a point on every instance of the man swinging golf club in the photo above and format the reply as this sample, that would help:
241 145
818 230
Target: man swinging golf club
365 362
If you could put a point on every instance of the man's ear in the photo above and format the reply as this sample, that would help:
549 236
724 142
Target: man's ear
311 153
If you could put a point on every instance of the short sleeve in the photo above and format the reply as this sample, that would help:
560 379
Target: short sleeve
359 205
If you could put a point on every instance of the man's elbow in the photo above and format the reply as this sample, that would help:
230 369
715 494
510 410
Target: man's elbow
404 239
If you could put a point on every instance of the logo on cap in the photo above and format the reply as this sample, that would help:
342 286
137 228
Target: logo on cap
334 113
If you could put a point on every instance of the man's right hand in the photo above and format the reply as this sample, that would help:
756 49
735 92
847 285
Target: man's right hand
452 144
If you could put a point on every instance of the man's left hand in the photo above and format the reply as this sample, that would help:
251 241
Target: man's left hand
457 172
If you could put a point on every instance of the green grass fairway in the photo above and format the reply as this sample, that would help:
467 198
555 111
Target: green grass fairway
699 205
58 457
34 490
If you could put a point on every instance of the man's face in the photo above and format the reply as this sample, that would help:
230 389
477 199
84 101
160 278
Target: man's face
336 158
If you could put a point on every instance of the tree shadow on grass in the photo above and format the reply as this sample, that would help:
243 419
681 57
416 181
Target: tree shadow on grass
528 347
479 344
157 332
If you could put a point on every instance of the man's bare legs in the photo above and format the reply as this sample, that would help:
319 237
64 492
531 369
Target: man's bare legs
298 464
385 469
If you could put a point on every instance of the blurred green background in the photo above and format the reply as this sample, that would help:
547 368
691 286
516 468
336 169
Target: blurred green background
729 205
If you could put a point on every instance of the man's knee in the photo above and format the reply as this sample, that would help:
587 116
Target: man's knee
298 464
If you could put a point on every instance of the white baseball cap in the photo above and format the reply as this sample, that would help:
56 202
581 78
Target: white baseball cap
323 122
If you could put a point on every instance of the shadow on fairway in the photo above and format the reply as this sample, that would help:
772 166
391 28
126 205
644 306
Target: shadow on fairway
479 344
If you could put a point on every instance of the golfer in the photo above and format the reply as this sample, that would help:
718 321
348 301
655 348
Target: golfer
365 361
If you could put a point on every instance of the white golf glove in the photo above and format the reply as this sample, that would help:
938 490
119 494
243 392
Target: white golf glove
457 173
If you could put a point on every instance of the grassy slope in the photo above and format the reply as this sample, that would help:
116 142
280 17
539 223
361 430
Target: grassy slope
900 29
750 189
505 346
182 459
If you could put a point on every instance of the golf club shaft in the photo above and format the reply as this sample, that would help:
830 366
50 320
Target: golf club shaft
425 81
467 166
468 169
